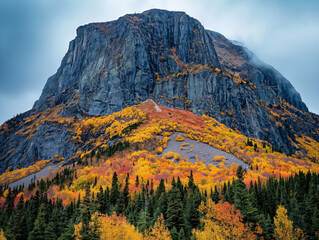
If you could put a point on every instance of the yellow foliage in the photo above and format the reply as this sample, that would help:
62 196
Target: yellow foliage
177 157
159 150
284 228
311 147
15 175
219 158
169 155
2 236
159 231
116 227
179 138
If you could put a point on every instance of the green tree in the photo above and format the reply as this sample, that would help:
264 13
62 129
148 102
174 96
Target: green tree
87 232
115 193
38 232
174 213
126 190
50 233
191 183
242 199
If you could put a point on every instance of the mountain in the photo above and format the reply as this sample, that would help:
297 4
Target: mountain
172 59
155 128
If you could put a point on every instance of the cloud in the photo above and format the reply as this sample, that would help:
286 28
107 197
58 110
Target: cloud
35 34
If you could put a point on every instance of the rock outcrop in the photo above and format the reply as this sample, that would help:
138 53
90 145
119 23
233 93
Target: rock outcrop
168 57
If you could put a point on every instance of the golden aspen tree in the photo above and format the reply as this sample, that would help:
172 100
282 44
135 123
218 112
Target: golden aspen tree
2 236
159 231
284 228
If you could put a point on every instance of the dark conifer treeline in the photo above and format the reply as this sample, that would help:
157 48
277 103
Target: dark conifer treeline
42 218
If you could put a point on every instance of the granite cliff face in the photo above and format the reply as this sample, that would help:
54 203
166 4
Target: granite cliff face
168 57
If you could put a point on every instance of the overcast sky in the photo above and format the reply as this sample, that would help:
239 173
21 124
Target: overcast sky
34 36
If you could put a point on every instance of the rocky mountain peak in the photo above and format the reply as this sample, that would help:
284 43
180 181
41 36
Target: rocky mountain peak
171 58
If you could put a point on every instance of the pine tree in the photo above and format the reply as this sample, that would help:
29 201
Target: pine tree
160 189
192 215
162 206
191 183
126 192
115 193
120 205
152 188
137 182
38 232
18 227
242 199
100 200
215 196
181 235
86 229
50 233
68 234
174 233
143 221
315 224
174 213
266 225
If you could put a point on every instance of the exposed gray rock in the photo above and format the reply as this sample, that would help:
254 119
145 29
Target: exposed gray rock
114 64
18 150
201 150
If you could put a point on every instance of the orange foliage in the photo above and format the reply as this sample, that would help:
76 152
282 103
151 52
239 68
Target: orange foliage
153 135
222 221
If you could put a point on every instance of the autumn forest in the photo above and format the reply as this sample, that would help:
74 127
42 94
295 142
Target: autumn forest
128 190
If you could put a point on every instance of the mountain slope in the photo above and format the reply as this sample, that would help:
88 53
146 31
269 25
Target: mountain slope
145 131
168 57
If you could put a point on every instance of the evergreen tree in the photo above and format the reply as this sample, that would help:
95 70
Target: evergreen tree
192 215
174 213
101 200
17 224
39 230
267 226
86 231
68 234
137 182
215 196
181 235
160 189
126 193
120 206
143 221
191 183
174 233
50 233
242 200
115 193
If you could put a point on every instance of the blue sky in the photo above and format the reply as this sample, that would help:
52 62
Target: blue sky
34 36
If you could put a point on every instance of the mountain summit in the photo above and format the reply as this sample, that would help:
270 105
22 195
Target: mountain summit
172 59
